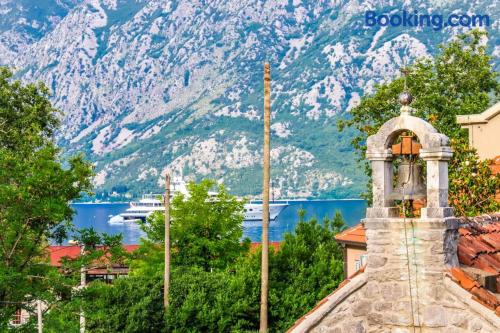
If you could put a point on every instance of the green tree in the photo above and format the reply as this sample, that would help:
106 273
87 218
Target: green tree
63 312
219 301
307 267
472 186
206 229
36 186
132 304
457 81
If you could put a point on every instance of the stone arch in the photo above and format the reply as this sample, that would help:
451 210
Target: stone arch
426 133
435 151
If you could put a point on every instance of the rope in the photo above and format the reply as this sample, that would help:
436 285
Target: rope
416 276
408 256
415 261
408 261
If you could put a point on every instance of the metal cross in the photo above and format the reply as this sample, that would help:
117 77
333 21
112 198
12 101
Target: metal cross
405 71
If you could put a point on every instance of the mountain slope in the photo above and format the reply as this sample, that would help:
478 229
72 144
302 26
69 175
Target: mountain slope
147 86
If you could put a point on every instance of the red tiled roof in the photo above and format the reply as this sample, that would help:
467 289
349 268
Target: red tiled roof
480 294
355 234
495 165
73 251
479 242
255 245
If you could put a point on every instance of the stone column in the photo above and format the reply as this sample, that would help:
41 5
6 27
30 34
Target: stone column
437 183
382 173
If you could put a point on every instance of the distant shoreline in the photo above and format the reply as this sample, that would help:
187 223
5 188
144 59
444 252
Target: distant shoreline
100 203
281 200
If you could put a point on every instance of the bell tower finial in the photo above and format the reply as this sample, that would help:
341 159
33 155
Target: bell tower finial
405 98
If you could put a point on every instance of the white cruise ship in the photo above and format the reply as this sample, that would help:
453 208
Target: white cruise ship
151 203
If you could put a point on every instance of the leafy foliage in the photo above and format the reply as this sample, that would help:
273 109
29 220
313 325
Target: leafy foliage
36 187
98 250
217 292
308 266
472 186
206 230
219 301
458 81
129 305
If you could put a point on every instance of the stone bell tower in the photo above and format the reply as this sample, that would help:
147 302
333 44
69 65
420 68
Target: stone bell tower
410 254
410 282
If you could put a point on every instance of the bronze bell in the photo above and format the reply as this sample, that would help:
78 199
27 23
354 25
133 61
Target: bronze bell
410 182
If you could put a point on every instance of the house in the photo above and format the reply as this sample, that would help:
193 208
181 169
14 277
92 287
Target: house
415 279
484 135
484 131
353 243
106 273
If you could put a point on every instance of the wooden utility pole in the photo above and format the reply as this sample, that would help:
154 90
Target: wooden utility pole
39 316
264 288
167 241
83 284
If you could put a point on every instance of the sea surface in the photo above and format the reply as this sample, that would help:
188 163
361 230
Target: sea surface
97 215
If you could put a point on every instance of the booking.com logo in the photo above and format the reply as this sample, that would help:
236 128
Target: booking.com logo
414 19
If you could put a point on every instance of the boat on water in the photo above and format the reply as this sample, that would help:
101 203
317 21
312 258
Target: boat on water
139 210
150 203
253 211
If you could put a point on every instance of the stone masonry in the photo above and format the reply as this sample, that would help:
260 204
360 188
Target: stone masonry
405 286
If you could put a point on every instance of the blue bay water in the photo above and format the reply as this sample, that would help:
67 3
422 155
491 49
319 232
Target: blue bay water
97 215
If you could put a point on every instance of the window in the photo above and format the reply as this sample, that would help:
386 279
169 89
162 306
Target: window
16 320
360 262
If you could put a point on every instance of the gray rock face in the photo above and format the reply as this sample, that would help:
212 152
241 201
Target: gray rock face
150 85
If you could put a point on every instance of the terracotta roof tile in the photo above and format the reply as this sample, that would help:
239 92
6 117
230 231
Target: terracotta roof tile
480 294
485 297
479 242
495 165
463 279
255 245
492 239
355 234
57 253
464 232
486 263
464 259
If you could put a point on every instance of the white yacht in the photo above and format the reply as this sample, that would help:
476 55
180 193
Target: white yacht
151 203
140 210
253 211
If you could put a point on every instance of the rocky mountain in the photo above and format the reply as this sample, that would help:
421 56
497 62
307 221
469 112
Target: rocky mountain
153 85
